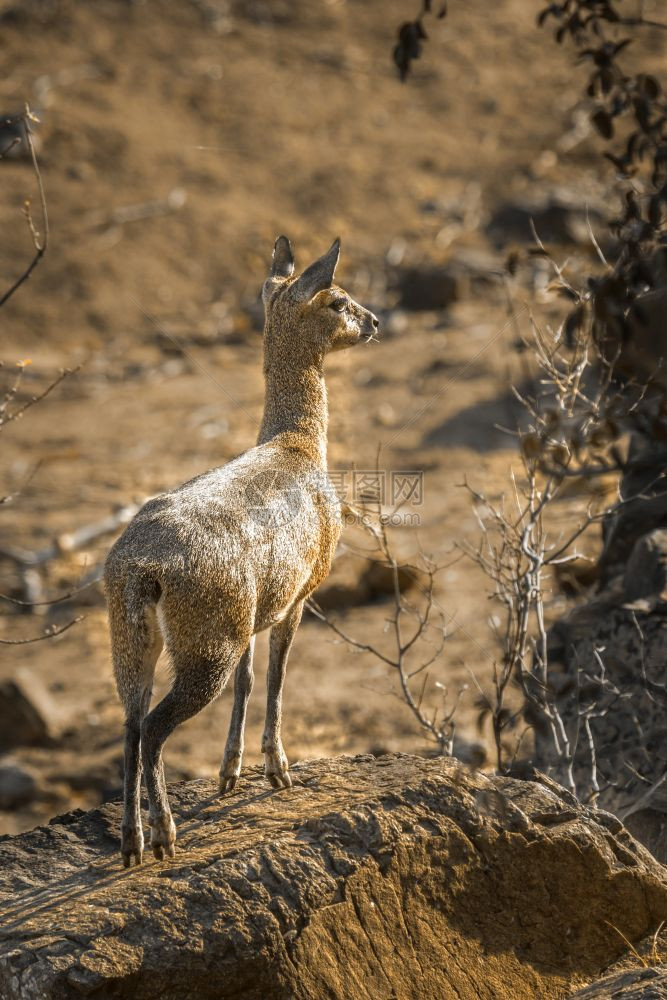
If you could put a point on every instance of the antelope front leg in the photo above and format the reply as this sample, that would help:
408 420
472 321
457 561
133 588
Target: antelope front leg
230 769
276 767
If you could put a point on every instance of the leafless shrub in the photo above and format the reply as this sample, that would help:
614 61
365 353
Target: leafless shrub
576 426
418 631
520 549
12 405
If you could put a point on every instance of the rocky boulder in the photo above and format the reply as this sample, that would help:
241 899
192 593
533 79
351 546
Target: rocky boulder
28 716
372 877
17 785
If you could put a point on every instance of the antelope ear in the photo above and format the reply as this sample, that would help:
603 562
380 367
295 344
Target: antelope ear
282 266
318 276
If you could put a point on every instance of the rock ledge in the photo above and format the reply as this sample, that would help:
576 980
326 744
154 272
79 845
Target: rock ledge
391 877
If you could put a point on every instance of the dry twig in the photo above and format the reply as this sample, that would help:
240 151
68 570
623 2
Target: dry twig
40 241
50 633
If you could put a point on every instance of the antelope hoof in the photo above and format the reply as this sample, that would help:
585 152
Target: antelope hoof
132 846
230 773
163 837
276 770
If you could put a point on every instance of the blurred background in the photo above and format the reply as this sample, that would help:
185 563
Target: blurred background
175 142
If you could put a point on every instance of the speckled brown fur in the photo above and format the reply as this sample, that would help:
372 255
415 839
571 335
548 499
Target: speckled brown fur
209 564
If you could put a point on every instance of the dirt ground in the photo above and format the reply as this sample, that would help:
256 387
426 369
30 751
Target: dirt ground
177 141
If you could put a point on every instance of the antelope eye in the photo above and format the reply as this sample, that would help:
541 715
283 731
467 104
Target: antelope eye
338 305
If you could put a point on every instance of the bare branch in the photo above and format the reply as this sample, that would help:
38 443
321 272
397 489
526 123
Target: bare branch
49 634
7 417
40 242
438 724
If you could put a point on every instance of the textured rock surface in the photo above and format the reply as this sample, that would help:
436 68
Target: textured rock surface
645 486
638 984
392 877
610 655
